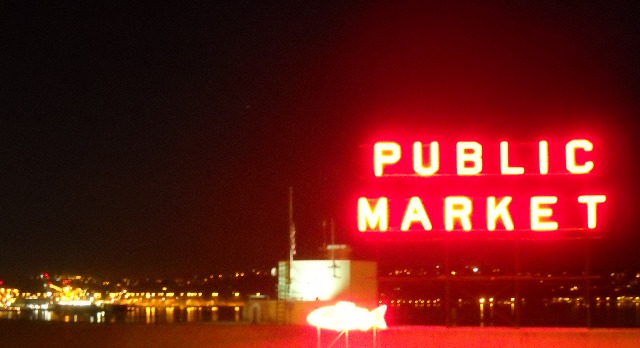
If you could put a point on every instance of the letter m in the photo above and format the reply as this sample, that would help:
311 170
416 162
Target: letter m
373 219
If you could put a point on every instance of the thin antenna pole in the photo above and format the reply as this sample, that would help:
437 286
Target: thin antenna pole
292 242
292 228
290 205
333 240
333 232
324 235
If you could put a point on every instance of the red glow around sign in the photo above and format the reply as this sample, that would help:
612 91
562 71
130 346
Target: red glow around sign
427 192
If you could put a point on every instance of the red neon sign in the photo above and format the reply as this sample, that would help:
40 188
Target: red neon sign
469 158
490 212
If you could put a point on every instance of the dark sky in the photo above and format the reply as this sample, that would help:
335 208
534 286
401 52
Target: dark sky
162 138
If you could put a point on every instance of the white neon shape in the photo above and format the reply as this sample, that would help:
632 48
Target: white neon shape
538 212
592 201
434 159
385 153
543 157
504 161
378 217
460 208
571 147
415 213
499 211
345 316
463 157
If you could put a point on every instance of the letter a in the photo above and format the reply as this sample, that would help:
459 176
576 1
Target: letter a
415 213
372 219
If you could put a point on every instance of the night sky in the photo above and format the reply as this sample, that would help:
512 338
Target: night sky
161 139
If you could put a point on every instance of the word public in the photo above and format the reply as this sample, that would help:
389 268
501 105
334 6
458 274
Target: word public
373 213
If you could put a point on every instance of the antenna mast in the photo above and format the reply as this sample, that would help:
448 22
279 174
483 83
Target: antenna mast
292 228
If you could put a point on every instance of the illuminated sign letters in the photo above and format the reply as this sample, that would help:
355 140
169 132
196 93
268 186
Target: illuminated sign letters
374 214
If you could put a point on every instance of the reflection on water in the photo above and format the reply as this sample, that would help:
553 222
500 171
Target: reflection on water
489 313
170 314
486 313
138 315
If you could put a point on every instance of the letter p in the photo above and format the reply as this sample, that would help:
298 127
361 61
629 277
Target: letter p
385 153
